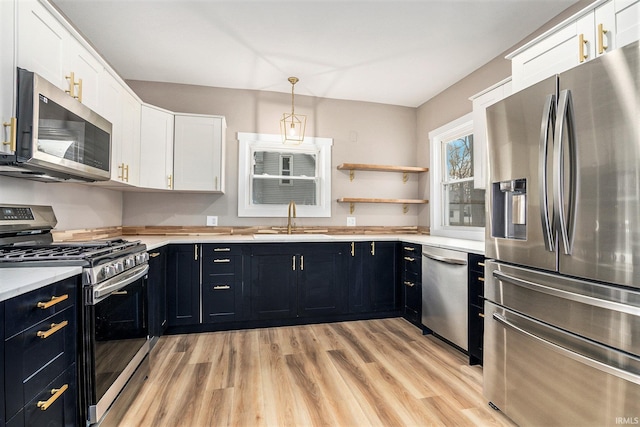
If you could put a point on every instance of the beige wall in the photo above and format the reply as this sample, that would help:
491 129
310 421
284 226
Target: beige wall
454 102
362 133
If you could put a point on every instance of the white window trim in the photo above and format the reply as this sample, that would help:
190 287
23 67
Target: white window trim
248 142
457 128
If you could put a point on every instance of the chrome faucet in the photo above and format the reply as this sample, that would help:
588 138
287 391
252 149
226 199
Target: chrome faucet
291 209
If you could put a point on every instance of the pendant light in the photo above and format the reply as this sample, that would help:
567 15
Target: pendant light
292 125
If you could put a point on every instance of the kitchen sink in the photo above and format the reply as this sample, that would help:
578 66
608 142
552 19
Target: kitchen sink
292 237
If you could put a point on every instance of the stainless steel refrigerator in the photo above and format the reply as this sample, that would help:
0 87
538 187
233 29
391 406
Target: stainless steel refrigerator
562 309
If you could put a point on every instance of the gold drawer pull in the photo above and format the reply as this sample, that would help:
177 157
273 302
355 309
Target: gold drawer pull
221 260
222 250
154 254
56 392
221 287
408 248
481 264
410 284
120 293
408 258
53 301
55 327
481 279
480 314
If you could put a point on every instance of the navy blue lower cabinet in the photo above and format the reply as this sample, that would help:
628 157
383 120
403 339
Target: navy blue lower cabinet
373 277
183 285
2 413
304 280
476 308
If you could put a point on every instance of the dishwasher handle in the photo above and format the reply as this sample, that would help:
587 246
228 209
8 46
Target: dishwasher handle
445 260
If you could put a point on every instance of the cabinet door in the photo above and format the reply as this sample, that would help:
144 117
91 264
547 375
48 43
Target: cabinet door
157 289
627 22
130 142
359 301
86 71
321 280
183 285
156 148
7 72
380 271
273 283
40 41
109 106
199 153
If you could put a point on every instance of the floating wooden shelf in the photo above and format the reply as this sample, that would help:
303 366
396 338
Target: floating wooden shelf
352 167
405 202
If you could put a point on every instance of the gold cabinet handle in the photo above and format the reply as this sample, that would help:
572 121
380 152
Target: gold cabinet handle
410 284
56 393
301 262
293 263
154 254
221 287
221 260
120 293
409 248
79 95
72 84
55 327
53 301
195 252
221 249
480 314
410 259
601 46
353 248
373 248
170 182
481 264
121 174
126 173
481 279
12 124
581 48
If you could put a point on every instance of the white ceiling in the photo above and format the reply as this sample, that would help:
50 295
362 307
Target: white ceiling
391 52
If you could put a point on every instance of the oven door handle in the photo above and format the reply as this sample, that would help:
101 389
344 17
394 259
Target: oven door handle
104 290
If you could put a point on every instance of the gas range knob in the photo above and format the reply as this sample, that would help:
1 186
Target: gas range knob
129 263
142 258
108 271
119 266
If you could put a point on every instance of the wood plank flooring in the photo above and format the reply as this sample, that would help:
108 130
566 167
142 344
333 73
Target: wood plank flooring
364 373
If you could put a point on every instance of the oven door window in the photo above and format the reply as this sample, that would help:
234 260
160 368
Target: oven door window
120 331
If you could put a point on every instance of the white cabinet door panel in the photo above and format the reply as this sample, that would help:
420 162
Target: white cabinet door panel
156 148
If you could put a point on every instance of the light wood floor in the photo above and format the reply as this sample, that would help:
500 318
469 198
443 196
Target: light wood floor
364 373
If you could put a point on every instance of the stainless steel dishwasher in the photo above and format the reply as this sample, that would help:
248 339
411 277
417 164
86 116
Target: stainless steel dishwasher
444 294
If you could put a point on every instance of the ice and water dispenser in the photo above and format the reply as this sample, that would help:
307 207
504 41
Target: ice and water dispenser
509 210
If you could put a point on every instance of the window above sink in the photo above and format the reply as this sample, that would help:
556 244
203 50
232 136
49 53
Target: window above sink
271 174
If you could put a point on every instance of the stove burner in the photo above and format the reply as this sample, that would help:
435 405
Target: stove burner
64 251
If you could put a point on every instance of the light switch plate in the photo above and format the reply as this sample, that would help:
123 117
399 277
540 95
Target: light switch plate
212 221
351 221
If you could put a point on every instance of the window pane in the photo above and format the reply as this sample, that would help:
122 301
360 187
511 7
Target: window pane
273 163
271 192
459 158
465 205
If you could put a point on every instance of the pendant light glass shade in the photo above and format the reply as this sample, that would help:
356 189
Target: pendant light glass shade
292 126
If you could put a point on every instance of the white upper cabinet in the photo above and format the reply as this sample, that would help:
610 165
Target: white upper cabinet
46 47
156 148
597 30
7 75
480 102
198 156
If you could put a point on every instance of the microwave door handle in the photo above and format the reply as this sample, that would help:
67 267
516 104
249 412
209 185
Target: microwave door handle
564 117
548 118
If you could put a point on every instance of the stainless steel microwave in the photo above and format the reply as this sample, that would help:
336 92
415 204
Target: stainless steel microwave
57 137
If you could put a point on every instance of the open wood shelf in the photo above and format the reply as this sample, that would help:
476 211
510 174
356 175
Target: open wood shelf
405 202
352 167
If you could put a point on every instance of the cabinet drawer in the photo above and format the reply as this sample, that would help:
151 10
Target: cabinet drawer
28 309
476 288
219 251
220 264
409 249
409 279
220 301
60 412
36 356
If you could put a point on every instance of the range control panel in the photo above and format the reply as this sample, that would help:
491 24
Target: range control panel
9 213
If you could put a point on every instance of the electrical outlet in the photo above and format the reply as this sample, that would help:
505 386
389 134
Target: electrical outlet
212 221
351 221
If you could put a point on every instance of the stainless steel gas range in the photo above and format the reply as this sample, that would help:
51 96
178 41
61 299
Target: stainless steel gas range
113 338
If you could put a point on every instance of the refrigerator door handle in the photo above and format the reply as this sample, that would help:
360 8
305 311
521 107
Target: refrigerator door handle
564 220
548 118
596 364
568 295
